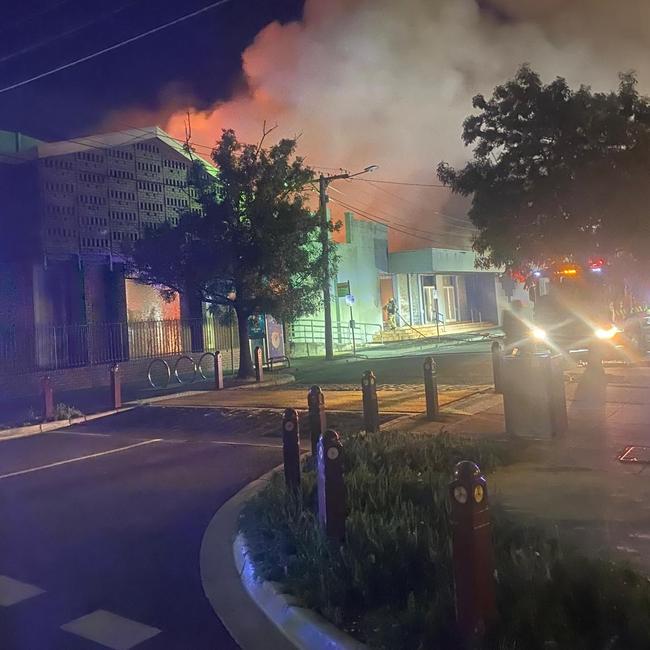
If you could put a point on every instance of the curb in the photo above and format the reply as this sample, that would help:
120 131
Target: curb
45 427
255 613
303 627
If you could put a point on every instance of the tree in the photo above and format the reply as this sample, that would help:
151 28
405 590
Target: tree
254 246
556 173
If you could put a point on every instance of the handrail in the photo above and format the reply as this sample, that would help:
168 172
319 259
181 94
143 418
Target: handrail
424 336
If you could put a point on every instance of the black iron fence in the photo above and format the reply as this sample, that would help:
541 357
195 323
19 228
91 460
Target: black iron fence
53 347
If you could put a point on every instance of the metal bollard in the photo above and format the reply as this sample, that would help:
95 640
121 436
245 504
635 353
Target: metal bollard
116 387
431 388
317 416
48 398
497 366
370 403
218 371
291 449
259 371
331 488
473 552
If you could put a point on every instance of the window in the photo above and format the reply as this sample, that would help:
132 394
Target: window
90 157
143 146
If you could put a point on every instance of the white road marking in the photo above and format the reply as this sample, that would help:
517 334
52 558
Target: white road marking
82 433
111 630
176 441
13 591
29 470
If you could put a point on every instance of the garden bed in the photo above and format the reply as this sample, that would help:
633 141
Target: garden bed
391 584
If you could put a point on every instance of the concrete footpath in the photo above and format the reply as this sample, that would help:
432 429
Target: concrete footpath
393 400
575 485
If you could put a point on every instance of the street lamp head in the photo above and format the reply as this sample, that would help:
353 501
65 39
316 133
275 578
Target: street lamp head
371 168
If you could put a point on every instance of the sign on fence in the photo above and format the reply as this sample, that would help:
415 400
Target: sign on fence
274 338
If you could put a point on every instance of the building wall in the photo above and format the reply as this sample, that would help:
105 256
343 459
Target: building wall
365 247
482 296
99 201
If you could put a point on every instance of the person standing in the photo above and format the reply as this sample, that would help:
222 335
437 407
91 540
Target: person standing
391 312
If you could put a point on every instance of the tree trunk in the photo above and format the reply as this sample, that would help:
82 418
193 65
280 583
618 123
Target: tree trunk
246 369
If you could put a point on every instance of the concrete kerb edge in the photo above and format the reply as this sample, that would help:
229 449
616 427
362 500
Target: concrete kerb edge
44 427
256 613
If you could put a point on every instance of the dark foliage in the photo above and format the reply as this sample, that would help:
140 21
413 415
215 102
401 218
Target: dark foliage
557 173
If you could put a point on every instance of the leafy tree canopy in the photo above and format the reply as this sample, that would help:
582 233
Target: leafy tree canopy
253 246
557 173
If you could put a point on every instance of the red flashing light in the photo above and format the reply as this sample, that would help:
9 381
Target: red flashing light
596 263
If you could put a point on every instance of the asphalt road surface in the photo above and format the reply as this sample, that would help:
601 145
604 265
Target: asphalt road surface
101 526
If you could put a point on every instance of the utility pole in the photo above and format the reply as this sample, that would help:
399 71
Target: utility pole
323 183
325 242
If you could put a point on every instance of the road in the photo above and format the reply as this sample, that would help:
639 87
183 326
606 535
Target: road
106 519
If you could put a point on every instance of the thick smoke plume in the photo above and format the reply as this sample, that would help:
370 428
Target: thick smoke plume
389 83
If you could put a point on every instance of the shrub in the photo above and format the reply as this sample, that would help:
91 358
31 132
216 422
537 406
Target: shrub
66 412
391 584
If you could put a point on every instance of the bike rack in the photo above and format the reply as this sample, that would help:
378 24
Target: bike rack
203 356
194 368
149 369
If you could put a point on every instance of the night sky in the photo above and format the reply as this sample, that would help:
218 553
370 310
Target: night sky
203 54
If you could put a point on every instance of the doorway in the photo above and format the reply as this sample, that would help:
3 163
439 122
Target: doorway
449 300
430 304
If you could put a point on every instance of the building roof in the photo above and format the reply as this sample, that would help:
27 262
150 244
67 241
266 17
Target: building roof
41 149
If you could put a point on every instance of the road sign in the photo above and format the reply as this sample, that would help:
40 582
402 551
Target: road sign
350 299
342 289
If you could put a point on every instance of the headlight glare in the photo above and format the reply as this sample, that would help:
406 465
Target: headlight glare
539 334
606 334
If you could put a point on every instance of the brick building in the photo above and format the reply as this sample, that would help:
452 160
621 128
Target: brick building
68 212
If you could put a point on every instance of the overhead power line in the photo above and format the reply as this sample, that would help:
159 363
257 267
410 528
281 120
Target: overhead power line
456 221
11 24
387 182
396 220
116 46
69 32
462 221
390 226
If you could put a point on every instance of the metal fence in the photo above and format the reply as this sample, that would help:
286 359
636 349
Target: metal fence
52 347
307 337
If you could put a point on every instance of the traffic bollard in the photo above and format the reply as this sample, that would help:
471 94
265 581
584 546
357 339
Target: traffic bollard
317 416
48 398
370 403
291 449
116 387
331 488
218 371
472 551
497 366
431 388
259 371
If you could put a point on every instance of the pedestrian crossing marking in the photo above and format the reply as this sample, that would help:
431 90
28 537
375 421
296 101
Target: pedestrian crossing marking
111 630
13 591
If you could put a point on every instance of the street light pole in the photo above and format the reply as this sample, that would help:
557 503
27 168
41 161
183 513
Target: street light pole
323 182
